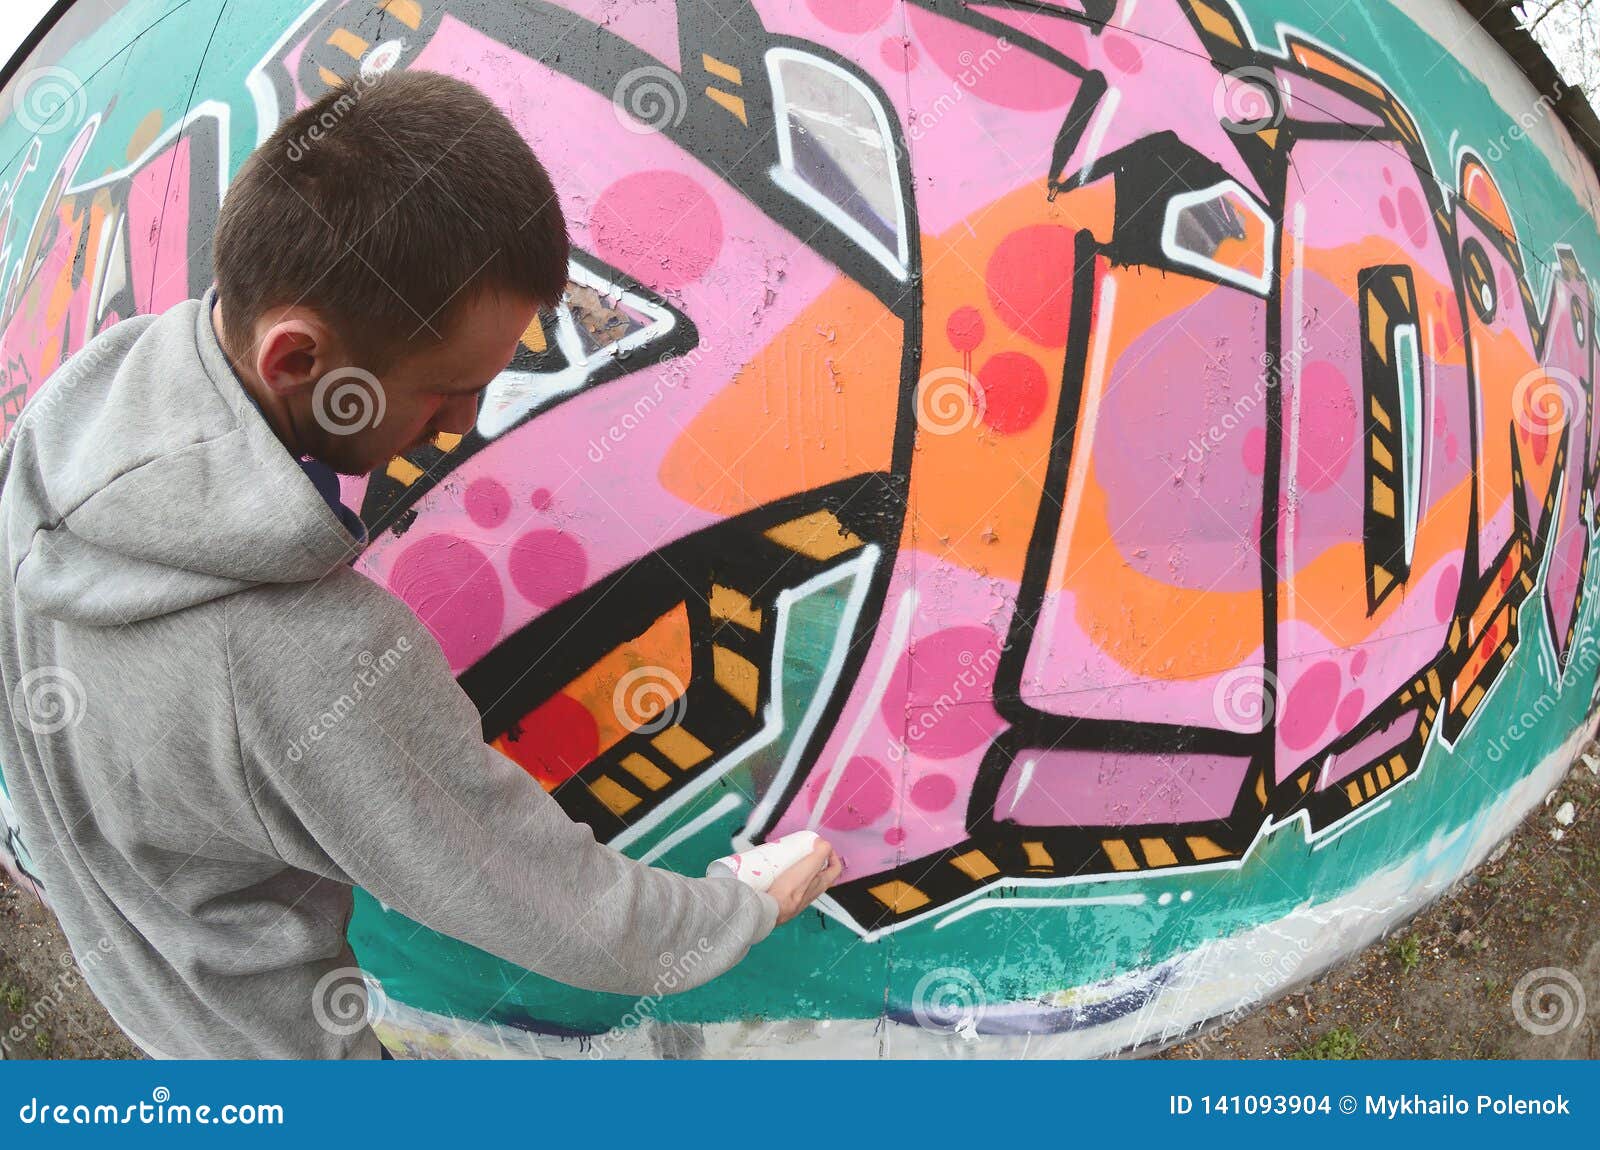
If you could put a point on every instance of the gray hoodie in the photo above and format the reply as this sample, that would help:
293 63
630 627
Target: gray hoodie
217 727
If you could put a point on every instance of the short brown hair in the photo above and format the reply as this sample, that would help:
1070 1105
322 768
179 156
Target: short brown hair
384 206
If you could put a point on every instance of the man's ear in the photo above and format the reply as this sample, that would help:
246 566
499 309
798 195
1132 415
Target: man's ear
292 353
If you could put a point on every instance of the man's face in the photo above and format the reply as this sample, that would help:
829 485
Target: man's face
356 427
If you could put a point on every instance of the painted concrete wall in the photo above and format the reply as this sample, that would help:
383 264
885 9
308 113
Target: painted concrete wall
1123 470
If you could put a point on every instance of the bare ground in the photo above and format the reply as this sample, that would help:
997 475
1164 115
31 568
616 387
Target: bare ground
46 1009
1506 965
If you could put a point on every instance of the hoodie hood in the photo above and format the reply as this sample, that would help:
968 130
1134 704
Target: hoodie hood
142 480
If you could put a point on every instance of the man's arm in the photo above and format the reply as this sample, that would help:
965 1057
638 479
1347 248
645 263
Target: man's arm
366 762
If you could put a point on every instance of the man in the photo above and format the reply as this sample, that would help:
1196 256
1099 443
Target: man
217 727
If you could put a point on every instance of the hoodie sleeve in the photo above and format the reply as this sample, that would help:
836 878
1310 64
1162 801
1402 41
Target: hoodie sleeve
365 762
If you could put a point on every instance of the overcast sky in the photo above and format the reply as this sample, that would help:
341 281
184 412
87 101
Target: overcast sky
17 18
1568 37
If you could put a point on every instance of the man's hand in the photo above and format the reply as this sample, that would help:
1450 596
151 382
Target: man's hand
797 887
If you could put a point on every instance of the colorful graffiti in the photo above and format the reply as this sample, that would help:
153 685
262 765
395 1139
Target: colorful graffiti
1179 483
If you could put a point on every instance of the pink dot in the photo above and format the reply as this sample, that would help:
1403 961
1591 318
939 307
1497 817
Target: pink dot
1388 176
1386 210
1255 451
933 792
854 16
978 61
1013 391
659 226
1124 54
901 55
455 592
952 712
1359 663
1328 425
863 795
541 499
488 502
894 836
1028 283
1414 217
1310 705
547 567
965 328
1444 596
1351 708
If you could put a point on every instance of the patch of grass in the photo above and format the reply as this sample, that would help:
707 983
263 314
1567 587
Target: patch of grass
41 1043
16 1001
1407 952
1339 1043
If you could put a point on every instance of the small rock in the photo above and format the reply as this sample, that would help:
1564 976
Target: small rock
1566 814
1592 763
1557 834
